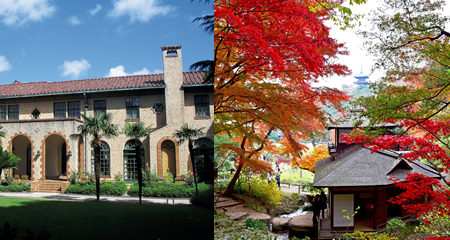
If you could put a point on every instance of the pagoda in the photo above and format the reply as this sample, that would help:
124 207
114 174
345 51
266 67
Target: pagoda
361 78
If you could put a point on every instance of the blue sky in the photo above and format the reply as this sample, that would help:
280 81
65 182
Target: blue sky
50 40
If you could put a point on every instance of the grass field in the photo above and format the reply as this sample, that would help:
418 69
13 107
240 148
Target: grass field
107 220
292 175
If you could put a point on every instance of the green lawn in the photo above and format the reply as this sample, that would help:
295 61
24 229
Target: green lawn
293 175
107 220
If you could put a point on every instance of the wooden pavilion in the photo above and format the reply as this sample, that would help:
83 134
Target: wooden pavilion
355 177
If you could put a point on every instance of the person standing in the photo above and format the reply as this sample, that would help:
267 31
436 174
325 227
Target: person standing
277 177
315 208
322 204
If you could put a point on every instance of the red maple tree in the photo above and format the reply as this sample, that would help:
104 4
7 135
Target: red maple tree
430 147
268 54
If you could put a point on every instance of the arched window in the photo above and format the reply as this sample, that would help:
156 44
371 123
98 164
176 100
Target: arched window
105 160
130 169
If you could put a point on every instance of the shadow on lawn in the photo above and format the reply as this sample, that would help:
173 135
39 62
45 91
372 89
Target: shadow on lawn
107 220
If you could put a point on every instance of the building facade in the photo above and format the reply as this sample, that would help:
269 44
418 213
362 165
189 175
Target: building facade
39 117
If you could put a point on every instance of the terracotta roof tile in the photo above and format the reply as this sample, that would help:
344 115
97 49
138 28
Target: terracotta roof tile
18 89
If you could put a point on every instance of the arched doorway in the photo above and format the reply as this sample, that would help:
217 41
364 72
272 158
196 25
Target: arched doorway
21 147
168 157
55 157
203 158
130 169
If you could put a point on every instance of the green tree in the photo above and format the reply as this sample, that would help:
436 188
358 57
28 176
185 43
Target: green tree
137 131
411 45
98 126
7 160
189 135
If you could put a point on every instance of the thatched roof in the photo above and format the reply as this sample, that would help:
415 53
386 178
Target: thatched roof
362 168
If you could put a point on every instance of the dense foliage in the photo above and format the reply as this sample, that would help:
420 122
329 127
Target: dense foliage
172 190
259 188
308 162
225 228
267 55
410 43
106 189
14 187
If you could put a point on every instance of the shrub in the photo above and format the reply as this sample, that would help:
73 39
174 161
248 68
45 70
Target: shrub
148 178
188 179
15 187
267 193
394 227
225 228
255 224
107 189
161 189
434 224
118 177
307 208
168 178
204 198
367 236
74 177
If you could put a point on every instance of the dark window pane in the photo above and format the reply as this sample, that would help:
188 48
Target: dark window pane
99 107
132 105
74 109
3 112
60 109
201 105
13 112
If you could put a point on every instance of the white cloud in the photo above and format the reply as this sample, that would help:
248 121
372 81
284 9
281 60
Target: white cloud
73 20
4 64
20 12
75 68
95 10
116 72
139 10
120 71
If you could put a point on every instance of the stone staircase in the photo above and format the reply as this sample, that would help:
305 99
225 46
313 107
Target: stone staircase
49 186
221 203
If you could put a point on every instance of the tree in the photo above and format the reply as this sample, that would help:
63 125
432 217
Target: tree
411 45
137 131
7 160
267 56
189 135
308 162
98 126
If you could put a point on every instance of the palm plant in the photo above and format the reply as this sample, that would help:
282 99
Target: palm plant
189 134
97 126
7 160
137 131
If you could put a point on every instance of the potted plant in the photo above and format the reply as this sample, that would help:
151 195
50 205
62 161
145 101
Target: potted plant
24 177
16 177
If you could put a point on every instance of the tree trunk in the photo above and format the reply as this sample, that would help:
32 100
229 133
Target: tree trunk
230 188
137 146
193 166
97 170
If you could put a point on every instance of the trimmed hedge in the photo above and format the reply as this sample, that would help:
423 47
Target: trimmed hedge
15 187
172 190
106 189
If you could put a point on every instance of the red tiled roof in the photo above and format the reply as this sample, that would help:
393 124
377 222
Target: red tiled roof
18 89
